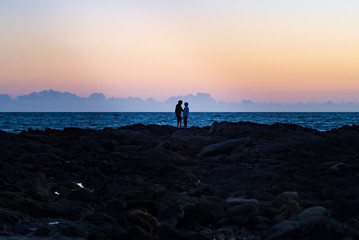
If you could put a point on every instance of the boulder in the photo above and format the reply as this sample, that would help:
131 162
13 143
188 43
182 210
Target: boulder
310 213
243 209
222 147
284 198
196 216
148 218
37 186
239 201
171 215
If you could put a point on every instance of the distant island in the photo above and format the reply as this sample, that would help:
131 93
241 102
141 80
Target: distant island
55 101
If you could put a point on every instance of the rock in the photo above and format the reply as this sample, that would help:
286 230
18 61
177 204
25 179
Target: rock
243 209
285 198
165 183
99 217
12 217
40 160
128 220
288 210
170 233
74 231
18 200
203 189
215 205
317 228
68 184
328 193
81 195
239 201
137 233
148 218
196 216
37 186
97 236
71 210
222 147
309 213
282 230
117 206
261 223
149 206
171 215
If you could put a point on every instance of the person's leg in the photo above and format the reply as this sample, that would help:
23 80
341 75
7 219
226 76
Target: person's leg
185 121
181 123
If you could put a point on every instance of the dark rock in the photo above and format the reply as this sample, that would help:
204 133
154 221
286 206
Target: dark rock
222 147
146 217
289 210
170 233
285 198
99 217
128 220
19 200
117 206
309 213
196 216
316 228
12 217
37 186
204 189
149 206
72 210
42 159
165 183
137 233
171 215
81 195
243 209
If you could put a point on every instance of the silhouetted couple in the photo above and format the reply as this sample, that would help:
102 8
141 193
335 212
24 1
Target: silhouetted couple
179 111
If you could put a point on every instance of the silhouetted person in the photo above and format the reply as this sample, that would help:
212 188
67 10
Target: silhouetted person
178 112
185 114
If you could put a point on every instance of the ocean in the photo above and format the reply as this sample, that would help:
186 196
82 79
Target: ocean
17 122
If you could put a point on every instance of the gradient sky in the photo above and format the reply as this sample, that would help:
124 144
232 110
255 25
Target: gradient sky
264 50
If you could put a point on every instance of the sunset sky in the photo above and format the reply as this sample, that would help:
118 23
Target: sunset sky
285 51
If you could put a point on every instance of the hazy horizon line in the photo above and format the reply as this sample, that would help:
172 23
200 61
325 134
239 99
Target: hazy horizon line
179 96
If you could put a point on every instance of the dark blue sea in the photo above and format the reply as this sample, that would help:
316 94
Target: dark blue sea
17 122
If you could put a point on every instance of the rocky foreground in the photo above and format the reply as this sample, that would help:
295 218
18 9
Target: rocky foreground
228 181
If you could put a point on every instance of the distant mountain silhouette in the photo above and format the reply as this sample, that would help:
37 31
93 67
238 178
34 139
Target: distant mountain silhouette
54 101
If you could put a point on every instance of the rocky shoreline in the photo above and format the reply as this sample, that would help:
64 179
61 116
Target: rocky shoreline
228 181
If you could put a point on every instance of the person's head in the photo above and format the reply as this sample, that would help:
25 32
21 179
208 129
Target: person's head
186 104
180 102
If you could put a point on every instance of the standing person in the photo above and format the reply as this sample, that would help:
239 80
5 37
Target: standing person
185 114
178 112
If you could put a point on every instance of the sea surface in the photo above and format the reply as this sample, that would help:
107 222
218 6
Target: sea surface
17 122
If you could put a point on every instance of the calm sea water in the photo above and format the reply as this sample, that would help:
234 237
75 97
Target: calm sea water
16 122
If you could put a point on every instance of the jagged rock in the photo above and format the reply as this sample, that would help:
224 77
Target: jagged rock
285 198
309 213
243 209
222 147
239 201
37 186
196 216
12 217
137 233
148 218
171 215
288 210
168 183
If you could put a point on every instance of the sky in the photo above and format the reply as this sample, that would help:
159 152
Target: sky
285 51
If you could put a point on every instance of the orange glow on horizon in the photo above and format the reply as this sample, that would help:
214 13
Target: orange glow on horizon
138 50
